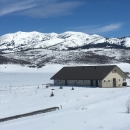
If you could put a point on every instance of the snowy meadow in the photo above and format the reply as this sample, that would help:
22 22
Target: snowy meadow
24 89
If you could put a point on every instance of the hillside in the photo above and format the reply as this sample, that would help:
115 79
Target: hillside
41 57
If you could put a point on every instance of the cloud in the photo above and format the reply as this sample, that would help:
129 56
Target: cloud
107 28
13 6
39 8
91 29
52 10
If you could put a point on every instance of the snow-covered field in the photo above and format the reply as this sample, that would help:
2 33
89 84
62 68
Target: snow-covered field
14 75
23 90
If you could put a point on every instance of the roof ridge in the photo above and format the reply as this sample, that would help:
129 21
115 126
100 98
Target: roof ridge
92 66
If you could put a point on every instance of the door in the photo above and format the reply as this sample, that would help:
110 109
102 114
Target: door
114 82
96 83
91 82
66 83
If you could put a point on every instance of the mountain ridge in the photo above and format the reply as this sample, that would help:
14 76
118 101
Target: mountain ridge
21 41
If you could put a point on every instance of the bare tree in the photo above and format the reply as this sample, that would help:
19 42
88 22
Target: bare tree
128 106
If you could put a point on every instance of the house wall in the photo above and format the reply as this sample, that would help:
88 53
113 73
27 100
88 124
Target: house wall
99 83
73 82
59 82
82 82
115 73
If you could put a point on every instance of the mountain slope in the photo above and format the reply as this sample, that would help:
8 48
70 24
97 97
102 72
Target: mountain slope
20 41
41 57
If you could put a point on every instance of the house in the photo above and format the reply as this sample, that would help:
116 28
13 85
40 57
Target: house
99 76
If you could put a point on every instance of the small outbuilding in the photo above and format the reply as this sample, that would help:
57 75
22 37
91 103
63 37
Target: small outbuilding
98 76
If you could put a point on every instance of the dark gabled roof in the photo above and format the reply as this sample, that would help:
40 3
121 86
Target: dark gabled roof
83 72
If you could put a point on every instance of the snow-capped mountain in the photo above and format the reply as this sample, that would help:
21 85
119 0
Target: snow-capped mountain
36 49
20 41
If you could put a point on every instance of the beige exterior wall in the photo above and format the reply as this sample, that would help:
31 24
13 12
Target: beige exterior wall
117 74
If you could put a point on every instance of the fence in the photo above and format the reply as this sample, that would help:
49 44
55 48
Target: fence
29 114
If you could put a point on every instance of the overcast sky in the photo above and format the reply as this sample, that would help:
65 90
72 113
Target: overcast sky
109 18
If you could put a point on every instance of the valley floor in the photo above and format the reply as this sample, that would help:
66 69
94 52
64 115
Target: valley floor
23 90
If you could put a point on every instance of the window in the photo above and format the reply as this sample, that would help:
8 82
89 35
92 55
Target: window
119 80
114 71
123 79
108 80
104 80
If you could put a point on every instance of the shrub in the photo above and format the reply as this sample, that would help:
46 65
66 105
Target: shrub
47 86
61 87
52 94
72 88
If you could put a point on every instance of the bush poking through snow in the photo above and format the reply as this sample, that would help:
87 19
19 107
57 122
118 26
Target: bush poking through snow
52 94
61 87
47 86
72 88
128 106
